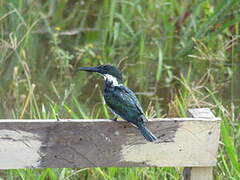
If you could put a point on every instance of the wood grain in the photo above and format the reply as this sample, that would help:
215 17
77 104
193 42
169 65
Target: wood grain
103 143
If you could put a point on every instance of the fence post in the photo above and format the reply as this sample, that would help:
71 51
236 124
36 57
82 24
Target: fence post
199 173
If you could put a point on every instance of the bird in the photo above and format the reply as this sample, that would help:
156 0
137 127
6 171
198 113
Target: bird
121 100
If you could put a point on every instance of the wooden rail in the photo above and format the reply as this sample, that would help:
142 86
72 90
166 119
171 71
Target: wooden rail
187 142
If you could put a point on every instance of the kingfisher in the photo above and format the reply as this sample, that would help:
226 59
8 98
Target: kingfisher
121 100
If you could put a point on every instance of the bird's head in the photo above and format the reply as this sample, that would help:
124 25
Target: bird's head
111 73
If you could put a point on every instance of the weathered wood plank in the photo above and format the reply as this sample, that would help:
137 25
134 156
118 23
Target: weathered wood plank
98 143
105 120
200 113
200 173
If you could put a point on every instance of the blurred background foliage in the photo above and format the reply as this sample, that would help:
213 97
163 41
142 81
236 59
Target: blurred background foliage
174 55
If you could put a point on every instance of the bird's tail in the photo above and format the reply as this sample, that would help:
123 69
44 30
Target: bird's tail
148 135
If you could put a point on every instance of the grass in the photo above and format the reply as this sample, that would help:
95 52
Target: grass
174 54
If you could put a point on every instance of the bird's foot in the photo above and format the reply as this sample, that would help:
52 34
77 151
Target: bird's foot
114 119
57 117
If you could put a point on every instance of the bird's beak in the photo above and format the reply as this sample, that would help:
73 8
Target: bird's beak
89 69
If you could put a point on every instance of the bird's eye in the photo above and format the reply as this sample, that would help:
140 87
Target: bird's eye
105 67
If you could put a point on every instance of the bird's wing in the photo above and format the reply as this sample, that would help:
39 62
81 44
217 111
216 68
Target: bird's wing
133 97
125 103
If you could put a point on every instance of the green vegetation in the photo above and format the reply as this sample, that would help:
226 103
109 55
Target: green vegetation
175 54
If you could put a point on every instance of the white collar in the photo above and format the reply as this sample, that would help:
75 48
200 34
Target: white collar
112 79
